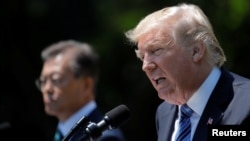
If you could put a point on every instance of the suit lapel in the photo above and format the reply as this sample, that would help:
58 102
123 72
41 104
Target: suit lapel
166 126
217 103
96 115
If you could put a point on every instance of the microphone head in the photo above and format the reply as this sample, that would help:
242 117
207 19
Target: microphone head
117 116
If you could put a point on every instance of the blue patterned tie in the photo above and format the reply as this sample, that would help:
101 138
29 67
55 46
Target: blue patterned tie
184 132
58 135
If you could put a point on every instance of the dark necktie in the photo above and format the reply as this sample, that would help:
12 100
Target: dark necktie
184 132
58 135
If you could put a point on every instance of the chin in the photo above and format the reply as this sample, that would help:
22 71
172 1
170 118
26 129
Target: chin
169 98
49 111
163 96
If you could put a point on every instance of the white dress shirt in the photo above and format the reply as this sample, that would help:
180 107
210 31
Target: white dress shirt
69 123
199 100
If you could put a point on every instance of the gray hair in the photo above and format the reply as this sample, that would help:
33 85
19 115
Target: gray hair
188 25
84 61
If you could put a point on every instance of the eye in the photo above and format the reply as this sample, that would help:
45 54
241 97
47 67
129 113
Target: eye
139 55
157 51
57 79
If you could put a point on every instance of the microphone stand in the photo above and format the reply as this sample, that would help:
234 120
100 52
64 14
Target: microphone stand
78 126
91 133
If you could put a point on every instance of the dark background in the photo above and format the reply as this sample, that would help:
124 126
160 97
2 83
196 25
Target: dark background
28 26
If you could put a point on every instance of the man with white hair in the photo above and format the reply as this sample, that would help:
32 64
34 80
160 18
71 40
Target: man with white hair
184 62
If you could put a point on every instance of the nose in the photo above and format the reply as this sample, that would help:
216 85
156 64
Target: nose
148 65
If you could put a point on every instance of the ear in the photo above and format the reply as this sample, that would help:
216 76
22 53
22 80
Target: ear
198 51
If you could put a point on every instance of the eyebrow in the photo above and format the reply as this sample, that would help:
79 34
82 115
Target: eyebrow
137 52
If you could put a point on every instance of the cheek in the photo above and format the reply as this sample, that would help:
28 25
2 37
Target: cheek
71 92
65 99
170 65
182 72
175 67
63 94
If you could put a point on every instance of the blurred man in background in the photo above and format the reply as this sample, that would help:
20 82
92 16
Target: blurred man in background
67 82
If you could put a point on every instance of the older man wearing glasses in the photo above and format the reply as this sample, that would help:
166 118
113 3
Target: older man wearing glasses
67 82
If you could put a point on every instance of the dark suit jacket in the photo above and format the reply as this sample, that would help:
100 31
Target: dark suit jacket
229 104
108 135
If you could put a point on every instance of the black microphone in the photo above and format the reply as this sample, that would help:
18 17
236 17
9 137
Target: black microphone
112 119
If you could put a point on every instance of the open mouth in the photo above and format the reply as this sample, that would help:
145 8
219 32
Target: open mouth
159 80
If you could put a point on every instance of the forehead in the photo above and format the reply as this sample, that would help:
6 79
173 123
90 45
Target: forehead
160 36
58 64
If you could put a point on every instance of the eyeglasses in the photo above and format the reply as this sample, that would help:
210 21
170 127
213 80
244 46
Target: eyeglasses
55 80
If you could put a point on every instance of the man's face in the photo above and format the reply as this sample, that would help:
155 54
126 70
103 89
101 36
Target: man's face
166 64
60 89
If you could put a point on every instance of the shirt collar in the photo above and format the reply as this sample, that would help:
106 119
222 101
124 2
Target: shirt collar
84 111
199 99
